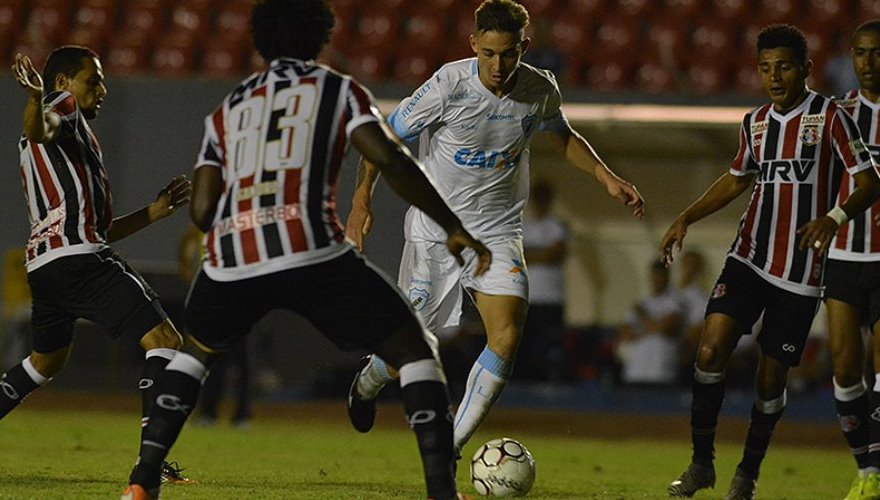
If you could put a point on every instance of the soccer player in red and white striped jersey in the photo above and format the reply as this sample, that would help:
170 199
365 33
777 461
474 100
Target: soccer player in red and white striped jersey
852 282
72 270
788 152
265 194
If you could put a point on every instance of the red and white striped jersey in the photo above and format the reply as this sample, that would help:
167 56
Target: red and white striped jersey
792 156
279 139
65 187
859 239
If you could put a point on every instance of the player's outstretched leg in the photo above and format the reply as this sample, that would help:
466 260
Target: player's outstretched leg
372 375
487 379
177 394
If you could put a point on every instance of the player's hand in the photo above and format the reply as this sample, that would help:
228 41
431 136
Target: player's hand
457 241
175 195
817 234
360 222
672 241
627 193
27 76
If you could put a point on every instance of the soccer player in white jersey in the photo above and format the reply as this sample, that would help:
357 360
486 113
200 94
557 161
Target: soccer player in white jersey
73 272
264 193
474 120
787 152
852 283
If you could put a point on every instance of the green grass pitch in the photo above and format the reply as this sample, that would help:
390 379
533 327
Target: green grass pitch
57 453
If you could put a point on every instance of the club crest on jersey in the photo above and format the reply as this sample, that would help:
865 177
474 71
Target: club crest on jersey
810 135
518 271
528 124
719 291
418 297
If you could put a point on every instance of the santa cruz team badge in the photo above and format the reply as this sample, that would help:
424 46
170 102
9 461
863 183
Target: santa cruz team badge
518 271
418 297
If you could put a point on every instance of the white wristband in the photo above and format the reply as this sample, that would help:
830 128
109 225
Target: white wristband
838 215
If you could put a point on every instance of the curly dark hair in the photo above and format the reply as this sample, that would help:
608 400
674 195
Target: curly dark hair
503 16
291 28
66 60
784 36
872 26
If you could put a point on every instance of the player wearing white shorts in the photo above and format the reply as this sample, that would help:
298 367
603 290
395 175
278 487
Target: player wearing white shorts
473 120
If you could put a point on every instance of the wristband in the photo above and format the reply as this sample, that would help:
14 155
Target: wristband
838 215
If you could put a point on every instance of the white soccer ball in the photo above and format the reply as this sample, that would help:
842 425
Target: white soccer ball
503 468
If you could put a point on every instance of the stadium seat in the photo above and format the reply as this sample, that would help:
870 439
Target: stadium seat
232 21
833 12
868 9
778 11
594 8
413 67
683 10
93 39
667 38
49 19
223 59
377 29
713 39
369 64
617 35
144 16
95 15
343 35
127 54
609 72
422 30
655 78
12 15
174 55
729 10
707 77
745 78
569 32
189 16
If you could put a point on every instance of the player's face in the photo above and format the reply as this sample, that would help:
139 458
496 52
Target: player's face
866 60
783 77
87 87
498 56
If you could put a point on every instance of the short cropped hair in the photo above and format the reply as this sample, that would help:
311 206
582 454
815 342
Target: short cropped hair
503 16
66 60
872 26
784 36
291 28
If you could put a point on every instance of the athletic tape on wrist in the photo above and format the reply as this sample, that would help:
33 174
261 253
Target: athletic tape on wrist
838 215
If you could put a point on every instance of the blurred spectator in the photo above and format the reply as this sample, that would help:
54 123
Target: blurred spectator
545 238
234 365
15 343
694 297
838 71
541 53
648 344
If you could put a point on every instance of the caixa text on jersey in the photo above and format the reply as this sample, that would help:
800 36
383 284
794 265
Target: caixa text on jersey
487 159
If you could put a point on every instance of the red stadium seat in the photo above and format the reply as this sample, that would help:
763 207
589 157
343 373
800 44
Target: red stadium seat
539 8
413 67
569 32
709 77
609 72
868 9
617 35
174 55
144 16
588 7
729 10
92 39
223 59
423 30
745 77
127 55
713 39
11 16
232 21
343 35
377 29
667 38
369 64
633 9
655 78
778 11
682 10
49 19
189 17
828 11
95 15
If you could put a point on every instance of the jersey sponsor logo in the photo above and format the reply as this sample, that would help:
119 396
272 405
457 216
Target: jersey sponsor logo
411 105
528 124
461 96
846 103
418 297
263 188
759 127
492 117
519 271
857 146
253 218
487 159
813 120
786 170
719 291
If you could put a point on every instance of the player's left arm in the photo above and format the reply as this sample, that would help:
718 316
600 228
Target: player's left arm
175 195
582 156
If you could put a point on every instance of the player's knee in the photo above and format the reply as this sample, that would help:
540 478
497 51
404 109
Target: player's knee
163 336
711 357
49 364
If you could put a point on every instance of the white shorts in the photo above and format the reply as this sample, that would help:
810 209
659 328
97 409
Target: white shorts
433 280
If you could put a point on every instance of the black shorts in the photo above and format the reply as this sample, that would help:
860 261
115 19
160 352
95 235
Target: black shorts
354 305
100 287
857 284
742 294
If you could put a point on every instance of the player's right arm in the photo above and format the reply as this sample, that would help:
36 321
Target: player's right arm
724 190
39 126
404 175
360 220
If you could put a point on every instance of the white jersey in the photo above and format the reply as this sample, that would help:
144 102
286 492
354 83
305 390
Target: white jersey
475 145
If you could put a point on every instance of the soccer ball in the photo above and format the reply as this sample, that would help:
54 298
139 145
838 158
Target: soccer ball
503 468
